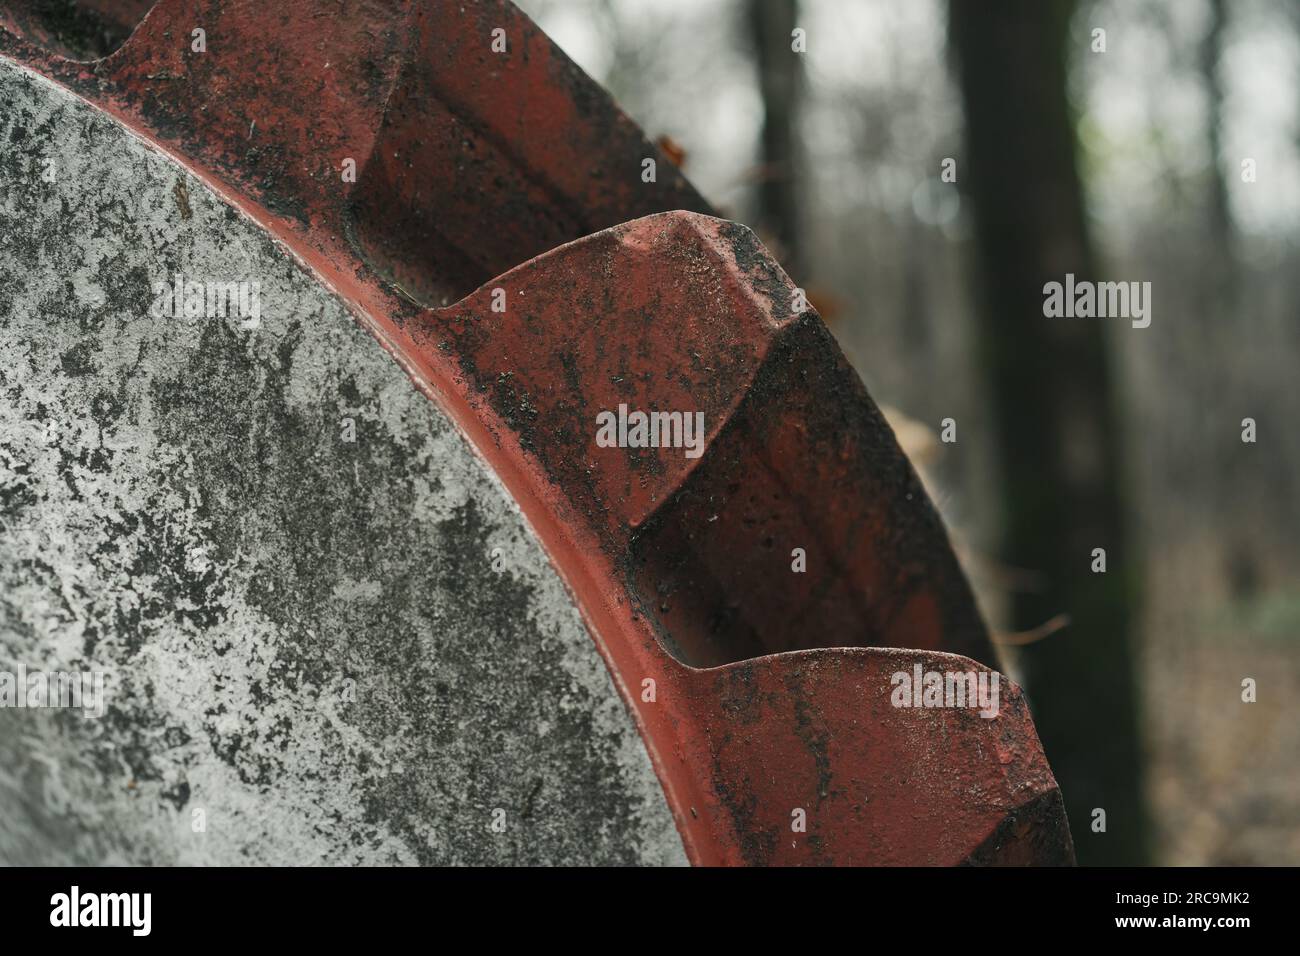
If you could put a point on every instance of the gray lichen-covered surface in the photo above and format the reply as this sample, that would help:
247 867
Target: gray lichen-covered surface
310 657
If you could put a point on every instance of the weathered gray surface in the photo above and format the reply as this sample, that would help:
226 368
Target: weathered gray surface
178 509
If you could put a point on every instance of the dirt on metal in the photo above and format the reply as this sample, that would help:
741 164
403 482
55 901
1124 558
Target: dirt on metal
484 170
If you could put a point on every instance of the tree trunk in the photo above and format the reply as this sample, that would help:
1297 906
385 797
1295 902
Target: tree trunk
1220 211
780 77
1052 393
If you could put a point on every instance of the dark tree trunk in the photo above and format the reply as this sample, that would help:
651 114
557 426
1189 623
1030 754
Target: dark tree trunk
1051 386
1220 212
780 77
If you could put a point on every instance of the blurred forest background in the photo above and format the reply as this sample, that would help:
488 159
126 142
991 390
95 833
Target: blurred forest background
1117 164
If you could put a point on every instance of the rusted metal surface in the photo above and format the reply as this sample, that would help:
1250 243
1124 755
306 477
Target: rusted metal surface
694 555
471 162
450 139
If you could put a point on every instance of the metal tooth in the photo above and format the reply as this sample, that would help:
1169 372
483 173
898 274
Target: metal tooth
794 454
470 162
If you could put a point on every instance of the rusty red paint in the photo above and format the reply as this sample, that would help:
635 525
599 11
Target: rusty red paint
472 162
